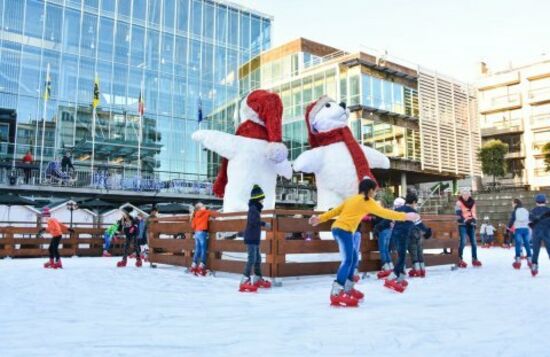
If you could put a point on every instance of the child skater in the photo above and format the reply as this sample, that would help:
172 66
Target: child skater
199 223
129 225
416 241
108 237
383 227
540 223
55 229
520 223
252 235
487 232
349 215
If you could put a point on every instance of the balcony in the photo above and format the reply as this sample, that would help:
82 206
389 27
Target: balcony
540 121
502 127
516 154
504 102
498 80
539 96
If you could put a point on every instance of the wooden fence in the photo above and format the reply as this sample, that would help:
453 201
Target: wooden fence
284 257
23 242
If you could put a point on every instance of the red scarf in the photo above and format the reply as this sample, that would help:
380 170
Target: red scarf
248 129
344 135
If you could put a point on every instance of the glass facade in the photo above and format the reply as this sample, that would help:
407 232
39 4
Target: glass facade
185 54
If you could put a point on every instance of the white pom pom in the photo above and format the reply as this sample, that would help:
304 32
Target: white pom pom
276 152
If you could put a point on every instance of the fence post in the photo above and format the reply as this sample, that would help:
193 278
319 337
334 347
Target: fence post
73 238
10 247
273 257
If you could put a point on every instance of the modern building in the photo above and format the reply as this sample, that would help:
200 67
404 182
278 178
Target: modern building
181 56
514 107
425 122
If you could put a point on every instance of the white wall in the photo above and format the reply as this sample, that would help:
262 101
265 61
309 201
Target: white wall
18 214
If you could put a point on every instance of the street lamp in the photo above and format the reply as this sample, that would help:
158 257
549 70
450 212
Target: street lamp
71 206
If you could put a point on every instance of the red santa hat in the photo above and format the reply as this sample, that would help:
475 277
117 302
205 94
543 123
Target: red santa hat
264 108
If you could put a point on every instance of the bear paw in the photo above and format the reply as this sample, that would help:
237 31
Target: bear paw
276 152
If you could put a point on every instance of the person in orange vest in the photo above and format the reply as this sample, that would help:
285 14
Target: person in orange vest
199 223
465 210
56 230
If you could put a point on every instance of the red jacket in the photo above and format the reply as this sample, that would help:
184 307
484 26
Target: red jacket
200 220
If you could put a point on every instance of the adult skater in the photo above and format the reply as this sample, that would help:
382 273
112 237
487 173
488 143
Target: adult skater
465 210
348 216
252 236
128 225
540 223
56 230
519 220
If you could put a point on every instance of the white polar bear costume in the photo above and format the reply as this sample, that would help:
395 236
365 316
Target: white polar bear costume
338 161
255 155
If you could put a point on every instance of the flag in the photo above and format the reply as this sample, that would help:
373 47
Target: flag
141 105
47 88
95 102
199 114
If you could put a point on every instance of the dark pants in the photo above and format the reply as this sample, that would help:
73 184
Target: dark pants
402 242
470 231
540 234
131 239
27 175
254 260
416 248
54 248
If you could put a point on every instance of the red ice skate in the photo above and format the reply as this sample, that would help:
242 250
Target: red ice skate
202 270
262 283
517 264
139 262
462 264
106 254
246 286
122 263
343 299
49 264
383 274
476 263
58 265
534 270
396 285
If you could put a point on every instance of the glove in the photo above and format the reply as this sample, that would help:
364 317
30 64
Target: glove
428 233
71 230
267 226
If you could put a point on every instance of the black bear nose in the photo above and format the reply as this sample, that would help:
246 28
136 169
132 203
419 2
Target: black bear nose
343 105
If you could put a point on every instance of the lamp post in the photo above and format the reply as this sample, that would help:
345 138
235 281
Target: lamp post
71 206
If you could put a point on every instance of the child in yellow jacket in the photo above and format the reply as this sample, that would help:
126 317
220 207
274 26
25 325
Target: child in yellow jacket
348 216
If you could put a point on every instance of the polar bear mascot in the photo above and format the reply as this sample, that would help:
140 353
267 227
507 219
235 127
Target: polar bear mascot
338 161
255 155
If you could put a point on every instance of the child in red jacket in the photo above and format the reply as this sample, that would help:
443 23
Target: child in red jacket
56 229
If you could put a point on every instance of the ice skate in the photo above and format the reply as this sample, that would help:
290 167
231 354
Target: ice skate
386 270
462 264
246 285
139 262
517 264
122 263
529 262
202 270
349 289
534 270
422 270
193 269
476 263
106 254
49 264
260 282
415 271
58 265
395 283
339 298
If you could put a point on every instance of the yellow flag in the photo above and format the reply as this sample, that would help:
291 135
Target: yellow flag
95 102
47 88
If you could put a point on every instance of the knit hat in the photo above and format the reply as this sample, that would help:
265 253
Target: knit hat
540 198
398 202
46 212
257 193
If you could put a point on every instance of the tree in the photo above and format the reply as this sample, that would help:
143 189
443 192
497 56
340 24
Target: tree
546 153
492 159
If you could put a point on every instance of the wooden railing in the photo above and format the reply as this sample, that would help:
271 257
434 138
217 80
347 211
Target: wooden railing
280 253
24 242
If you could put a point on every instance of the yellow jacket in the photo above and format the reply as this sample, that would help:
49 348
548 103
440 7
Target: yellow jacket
351 212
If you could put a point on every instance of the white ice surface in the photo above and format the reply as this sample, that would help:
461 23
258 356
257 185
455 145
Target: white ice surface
92 308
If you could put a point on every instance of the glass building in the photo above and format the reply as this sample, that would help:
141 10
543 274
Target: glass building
182 56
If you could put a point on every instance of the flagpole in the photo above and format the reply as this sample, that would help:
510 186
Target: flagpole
93 133
140 130
199 147
44 114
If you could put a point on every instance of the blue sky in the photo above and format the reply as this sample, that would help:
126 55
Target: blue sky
450 36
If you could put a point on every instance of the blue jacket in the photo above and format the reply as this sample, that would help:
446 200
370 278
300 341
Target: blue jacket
405 228
540 217
254 223
381 224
